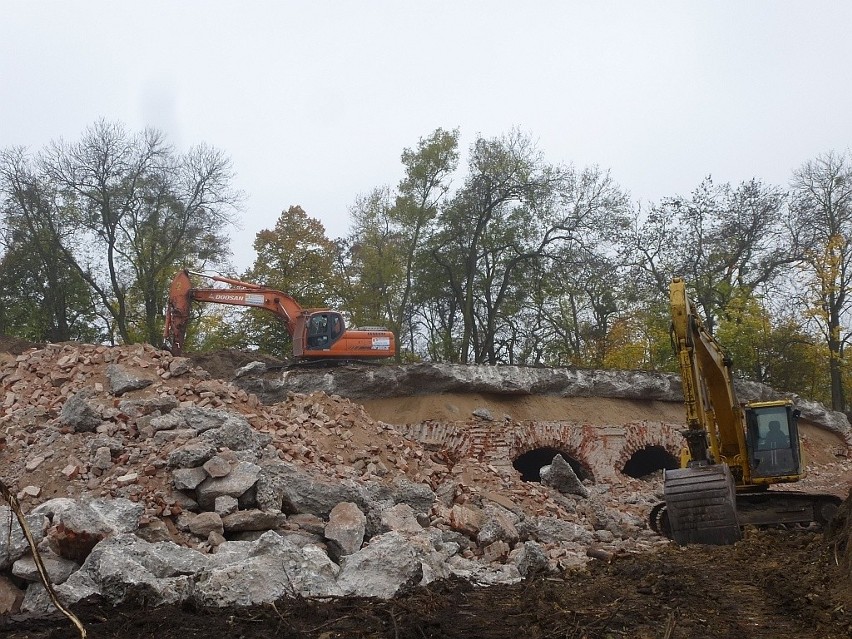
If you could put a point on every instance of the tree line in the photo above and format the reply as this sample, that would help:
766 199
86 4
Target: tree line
509 259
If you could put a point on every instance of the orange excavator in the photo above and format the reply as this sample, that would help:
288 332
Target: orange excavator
318 334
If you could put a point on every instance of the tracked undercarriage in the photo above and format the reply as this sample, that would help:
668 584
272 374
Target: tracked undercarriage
702 506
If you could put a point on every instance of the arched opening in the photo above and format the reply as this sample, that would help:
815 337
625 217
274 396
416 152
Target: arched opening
649 460
530 464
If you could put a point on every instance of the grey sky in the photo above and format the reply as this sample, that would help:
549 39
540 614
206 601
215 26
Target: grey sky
315 101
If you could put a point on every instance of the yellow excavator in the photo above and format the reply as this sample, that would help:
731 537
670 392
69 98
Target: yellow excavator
733 452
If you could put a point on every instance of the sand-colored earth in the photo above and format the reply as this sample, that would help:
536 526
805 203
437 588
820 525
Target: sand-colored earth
450 407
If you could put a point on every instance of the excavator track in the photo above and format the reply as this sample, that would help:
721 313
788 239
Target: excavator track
701 505
785 507
765 508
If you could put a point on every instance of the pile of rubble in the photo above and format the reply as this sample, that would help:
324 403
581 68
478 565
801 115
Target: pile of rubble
145 479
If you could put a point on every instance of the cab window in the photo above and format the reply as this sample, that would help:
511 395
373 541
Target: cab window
318 331
772 447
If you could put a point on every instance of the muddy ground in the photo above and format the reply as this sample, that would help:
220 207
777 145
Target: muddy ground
774 584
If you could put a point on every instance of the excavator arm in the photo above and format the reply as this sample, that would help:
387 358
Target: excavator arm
714 416
178 307
182 294
700 498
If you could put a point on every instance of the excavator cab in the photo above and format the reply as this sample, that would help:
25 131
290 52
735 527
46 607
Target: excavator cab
324 328
772 440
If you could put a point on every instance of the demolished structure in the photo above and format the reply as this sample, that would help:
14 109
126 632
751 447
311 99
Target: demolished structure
144 478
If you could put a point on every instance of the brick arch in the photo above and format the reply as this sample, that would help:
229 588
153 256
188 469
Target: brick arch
665 436
602 451
565 439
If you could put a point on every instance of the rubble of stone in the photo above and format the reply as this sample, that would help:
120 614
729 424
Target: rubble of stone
144 479
559 475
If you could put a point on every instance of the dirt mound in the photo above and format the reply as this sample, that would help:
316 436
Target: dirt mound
332 435
11 347
16 345
223 364
746 590
839 536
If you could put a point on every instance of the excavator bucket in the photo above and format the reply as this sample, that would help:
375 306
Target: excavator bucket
701 505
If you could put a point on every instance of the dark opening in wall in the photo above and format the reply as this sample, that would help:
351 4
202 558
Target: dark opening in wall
530 464
649 460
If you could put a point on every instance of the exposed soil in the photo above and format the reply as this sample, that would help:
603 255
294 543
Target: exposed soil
223 364
15 345
457 406
775 584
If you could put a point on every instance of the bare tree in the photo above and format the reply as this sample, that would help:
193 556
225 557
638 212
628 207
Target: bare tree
140 211
723 240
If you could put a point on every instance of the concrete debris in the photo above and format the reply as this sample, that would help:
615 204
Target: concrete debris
561 476
483 413
204 523
416 379
236 483
58 568
29 491
145 479
387 566
400 518
122 381
11 597
78 413
13 544
245 520
224 505
530 559
345 529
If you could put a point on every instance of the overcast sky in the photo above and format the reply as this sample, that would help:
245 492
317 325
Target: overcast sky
315 101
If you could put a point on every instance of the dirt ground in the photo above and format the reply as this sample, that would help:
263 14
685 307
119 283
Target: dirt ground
774 584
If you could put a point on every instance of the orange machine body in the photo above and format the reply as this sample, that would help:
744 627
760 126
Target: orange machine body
317 333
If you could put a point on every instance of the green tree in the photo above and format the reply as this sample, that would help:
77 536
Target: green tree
584 303
389 231
821 225
745 331
436 310
421 193
297 258
489 233
576 279
42 297
796 362
374 257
